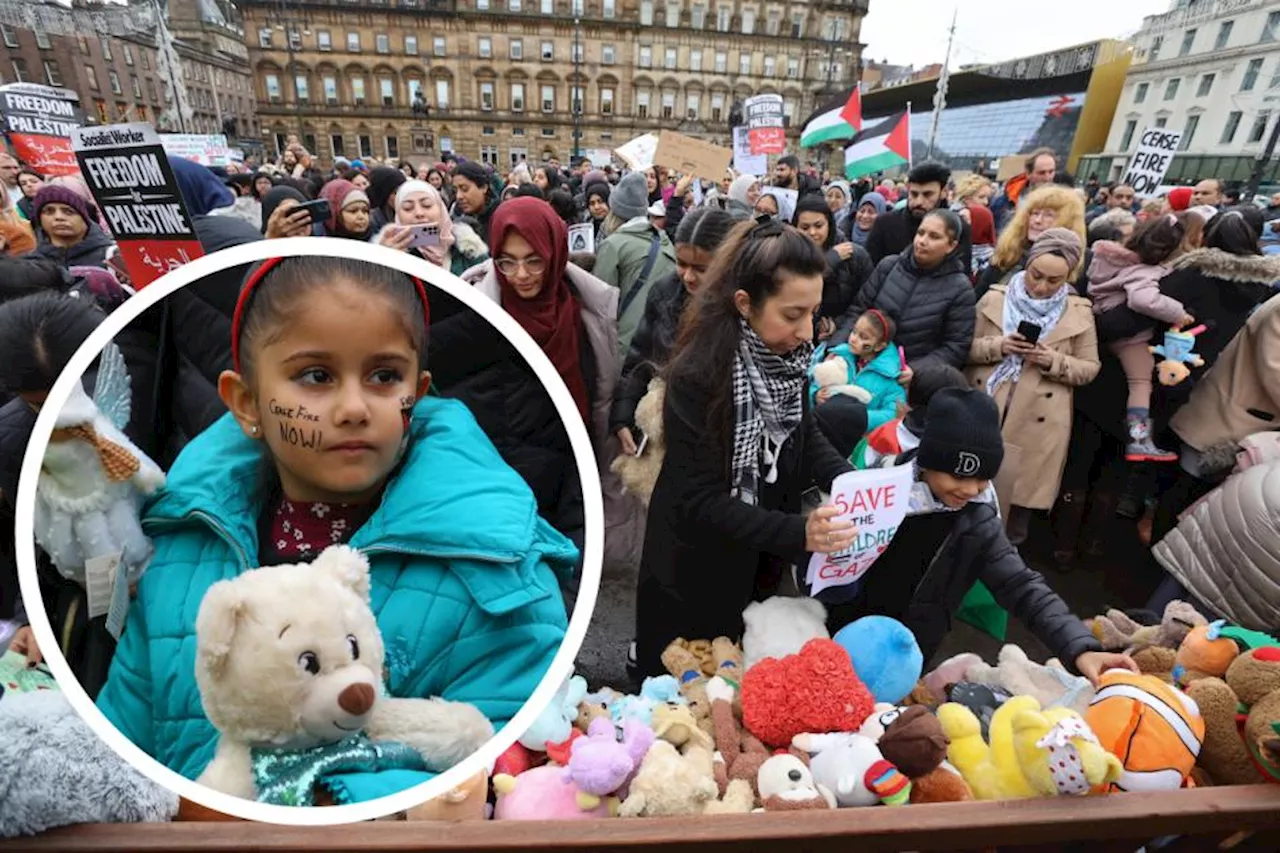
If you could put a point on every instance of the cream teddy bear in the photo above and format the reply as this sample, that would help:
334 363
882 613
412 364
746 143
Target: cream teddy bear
833 375
289 662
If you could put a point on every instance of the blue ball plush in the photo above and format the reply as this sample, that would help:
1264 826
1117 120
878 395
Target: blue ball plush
885 656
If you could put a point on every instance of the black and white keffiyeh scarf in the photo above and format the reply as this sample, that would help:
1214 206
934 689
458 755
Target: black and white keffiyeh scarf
768 399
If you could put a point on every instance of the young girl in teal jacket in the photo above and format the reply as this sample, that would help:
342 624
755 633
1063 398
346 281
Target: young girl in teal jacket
874 366
331 439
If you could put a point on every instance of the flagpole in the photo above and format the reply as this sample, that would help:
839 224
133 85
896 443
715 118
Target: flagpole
940 95
910 146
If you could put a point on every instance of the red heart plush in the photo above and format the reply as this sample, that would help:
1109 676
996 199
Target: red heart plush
813 691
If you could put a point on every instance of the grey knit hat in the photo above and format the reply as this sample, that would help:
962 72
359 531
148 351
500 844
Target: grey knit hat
631 197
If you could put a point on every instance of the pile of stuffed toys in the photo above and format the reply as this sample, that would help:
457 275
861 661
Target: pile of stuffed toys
796 719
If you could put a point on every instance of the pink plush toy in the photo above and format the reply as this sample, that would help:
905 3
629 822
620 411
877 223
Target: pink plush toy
542 794
600 765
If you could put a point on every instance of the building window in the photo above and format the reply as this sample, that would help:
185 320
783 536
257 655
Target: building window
577 53
1251 75
83 44
146 57
1171 89
517 97
548 131
513 5
772 22
336 144
393 146
578 9
300 86
42 40
797 25
646 57
106 49
1206 83
610 9
1154 52
488 130
1162 121
489 154
748 21
387 89
482 5
646 13
101 107
486 47
1140 93
53 75
272 81
264 37
114 79
606 54
793 69
724 16
548 99
699 17
1224 35
673 14
548 7
548 51
330 90
575 100
691 104
669 58
486 96
438 46
442 94
1230 128
606 102
382 43
695 60
10 37
446 144
1189 133
91 75
353 42
137 87
324 41
770 66
717 107
1259 128
1188 39
357 90
151 91
642 104
668 104
411 45
744 63
366 145
1272 30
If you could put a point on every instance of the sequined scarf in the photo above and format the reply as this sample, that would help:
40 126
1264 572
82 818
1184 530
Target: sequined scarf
289 777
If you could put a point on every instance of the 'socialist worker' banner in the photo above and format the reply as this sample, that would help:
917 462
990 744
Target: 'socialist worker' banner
127 170
1155 152
765 129
39 121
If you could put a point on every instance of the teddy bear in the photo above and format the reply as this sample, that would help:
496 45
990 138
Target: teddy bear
852 767
738 754
832 375
913 742
639 473
786 785
1032 753
668 784
289 664
1242 719
1154 729
1118 631
676 725
684 664
1018 675
780 626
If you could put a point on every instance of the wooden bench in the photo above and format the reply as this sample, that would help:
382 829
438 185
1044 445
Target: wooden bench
1244 819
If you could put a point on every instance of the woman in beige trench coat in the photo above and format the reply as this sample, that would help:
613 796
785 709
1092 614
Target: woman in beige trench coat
1033 384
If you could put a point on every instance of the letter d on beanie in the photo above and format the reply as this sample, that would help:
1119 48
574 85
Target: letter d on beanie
962 435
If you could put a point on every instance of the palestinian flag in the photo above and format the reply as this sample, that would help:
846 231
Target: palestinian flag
882 146
834 123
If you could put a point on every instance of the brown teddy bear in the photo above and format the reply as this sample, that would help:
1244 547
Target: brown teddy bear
682 660
1242 747
917 746
639 474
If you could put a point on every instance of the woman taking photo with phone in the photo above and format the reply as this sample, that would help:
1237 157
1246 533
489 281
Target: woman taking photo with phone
741 445
1034 342
422 226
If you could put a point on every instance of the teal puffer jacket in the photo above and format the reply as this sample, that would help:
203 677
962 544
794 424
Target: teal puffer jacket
464 585
879 378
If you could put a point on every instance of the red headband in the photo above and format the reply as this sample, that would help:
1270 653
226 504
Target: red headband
884 321
256 277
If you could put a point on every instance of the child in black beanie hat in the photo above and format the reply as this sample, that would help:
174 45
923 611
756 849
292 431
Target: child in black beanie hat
953 536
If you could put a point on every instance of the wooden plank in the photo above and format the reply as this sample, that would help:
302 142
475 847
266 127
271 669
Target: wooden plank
973 826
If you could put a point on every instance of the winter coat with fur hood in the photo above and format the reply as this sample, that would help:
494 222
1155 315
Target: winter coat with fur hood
1226 548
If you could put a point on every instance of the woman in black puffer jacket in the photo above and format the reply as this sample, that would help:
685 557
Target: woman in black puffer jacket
848 265
926 292
699 235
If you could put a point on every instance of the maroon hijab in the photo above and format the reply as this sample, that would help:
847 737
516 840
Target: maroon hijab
552 318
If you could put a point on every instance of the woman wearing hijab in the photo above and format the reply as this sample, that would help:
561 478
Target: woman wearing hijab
840 201
279 219
418 203
383 183
348 210
743 193
571 315
476 195
870 206
597 208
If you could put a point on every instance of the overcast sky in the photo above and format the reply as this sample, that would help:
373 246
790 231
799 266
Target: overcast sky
914 32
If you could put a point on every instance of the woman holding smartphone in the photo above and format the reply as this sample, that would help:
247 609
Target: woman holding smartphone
422 226
1034 342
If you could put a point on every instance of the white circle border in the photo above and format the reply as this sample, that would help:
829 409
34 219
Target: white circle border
593 503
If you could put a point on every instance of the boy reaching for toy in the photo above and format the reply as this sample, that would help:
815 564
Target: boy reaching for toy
953 536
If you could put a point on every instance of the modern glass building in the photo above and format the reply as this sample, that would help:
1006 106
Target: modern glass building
1064 100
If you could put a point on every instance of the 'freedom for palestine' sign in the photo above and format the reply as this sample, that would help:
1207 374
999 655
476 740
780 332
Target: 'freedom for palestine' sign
39 121
126 167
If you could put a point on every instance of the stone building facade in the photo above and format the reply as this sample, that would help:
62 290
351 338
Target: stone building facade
497 80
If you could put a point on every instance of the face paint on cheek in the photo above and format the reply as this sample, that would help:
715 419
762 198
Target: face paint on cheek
406 411
306 437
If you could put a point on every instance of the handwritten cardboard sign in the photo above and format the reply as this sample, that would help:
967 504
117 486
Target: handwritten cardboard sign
638 153
690 156
876 502
1156 149
744 162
